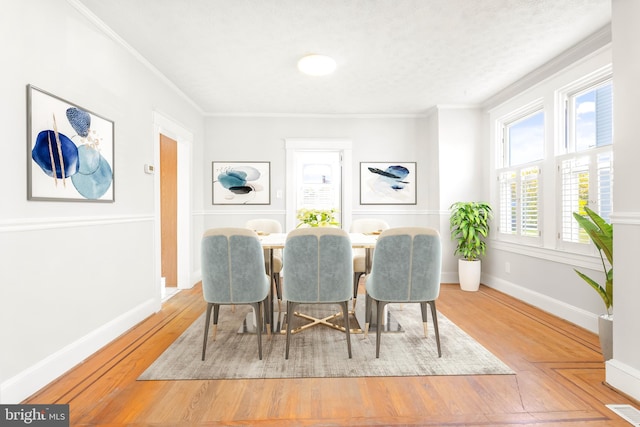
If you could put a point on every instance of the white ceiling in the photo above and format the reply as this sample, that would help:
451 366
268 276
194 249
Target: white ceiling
394 56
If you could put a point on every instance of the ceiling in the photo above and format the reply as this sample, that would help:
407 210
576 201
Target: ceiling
393 56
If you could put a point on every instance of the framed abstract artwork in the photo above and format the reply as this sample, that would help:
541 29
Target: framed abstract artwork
241 183
388 183
69 151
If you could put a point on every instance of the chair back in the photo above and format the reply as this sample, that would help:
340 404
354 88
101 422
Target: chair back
368 225
318 265
264 225
406 265
233 266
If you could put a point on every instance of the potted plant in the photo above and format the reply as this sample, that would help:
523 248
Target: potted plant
317 218
469 224
601 234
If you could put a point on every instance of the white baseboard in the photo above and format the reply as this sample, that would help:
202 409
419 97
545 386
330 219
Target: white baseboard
449 277
558 308
624 378
19 387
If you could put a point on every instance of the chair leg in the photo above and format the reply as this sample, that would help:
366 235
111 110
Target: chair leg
345 314
434 315
216 313
257 306
206 329
356 282
380 313
276 280
367 314
275 277
288 325
266 318
423 310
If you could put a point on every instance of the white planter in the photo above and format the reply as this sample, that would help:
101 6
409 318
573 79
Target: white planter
469 274
605 333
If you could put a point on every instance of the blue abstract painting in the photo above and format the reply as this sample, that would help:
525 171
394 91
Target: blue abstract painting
71 151
241 183
387 183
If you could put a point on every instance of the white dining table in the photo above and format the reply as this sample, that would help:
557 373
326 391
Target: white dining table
273 241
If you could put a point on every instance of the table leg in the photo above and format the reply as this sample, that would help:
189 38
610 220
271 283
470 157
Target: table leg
269 310
368 260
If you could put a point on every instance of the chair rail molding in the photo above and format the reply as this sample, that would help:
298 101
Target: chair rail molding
33 224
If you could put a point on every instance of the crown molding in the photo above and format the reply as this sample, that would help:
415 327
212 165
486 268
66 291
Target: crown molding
102 26
586 48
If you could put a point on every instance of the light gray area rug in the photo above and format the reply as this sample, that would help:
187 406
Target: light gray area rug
322 352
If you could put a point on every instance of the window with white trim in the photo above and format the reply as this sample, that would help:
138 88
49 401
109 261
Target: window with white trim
585 164
523 144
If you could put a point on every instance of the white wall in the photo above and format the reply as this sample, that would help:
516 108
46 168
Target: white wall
75 275
262 139
462 168
373 139
623 371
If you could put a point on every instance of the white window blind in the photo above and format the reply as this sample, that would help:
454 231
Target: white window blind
574 174
586 180
520 202
605 184
508 202
530 201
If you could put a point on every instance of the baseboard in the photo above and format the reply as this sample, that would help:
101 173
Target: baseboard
449 277
624 378
16 389
558 308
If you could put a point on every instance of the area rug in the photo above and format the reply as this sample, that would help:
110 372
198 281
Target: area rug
321 352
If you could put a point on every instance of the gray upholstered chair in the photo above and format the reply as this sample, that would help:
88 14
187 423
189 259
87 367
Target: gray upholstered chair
233 273
318 269
406 269
270 226
363 225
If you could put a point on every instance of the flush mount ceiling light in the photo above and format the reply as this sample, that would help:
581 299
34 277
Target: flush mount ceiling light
317 65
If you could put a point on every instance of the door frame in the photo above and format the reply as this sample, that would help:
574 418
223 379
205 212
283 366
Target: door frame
170 128
344 146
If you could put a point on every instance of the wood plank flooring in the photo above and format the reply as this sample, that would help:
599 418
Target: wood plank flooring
559 379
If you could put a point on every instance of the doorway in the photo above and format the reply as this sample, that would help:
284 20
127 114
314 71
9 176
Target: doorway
179 142
169 211
318 177
319 181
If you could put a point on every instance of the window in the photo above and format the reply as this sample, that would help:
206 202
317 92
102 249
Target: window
523 145
552 154
318 180
524 140
586 168
589 118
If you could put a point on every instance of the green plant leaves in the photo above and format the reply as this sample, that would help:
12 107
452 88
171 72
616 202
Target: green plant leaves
601 234
469 224
317 217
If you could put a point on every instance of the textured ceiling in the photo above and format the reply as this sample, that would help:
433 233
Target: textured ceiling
394 56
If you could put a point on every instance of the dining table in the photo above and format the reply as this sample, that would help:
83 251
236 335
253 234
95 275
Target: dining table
272 241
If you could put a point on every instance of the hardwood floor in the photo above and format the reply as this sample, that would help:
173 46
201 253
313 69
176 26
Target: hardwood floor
558 382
